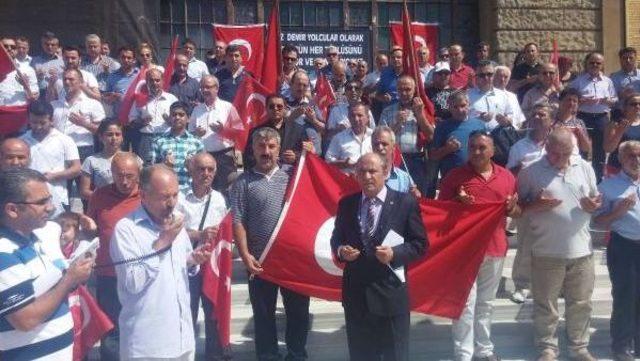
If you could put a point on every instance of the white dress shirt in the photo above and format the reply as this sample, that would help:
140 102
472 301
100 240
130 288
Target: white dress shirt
493 101
155 321
599 87
217 114
158 109
197 69
193 207
346 145
82 104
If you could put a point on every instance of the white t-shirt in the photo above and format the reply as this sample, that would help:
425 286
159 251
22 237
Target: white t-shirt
12 92
88 78
51 155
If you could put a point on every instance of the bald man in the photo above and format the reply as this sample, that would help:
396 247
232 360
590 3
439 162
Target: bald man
153 287
14 152
204 209
558 194
107 206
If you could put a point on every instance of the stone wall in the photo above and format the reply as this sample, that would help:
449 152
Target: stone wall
576 24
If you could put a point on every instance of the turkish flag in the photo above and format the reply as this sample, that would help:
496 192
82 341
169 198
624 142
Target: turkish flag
251 112
555 54
134 94
272 65
325 97
250 38
423 34
298 255
12 118
169 65
6 63
216 279
90 324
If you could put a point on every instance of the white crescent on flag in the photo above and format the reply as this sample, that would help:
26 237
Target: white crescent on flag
215 256
245 44
322 248
420 40
262 100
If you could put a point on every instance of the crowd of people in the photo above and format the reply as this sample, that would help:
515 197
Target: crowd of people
560 148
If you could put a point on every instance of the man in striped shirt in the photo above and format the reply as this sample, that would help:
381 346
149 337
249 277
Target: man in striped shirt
35 323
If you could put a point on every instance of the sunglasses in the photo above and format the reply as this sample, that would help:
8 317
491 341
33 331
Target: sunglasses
276 106
484 75
288 58
6 46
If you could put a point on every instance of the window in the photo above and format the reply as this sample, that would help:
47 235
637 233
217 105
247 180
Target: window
359 14
312 14
190 19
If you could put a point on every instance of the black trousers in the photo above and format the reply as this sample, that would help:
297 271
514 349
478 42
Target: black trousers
263 295
213 349
596 122
107 297
225 166
623 261
375 338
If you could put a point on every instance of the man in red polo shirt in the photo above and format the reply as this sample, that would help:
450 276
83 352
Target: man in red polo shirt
481 181
462 75
107 206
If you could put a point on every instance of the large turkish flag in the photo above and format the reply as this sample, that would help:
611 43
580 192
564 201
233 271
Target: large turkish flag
90 323
299 255
250 38
423 34
12 118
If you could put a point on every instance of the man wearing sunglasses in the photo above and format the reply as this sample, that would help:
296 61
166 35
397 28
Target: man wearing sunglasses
35 280
332 54
547 89
290 57
488 103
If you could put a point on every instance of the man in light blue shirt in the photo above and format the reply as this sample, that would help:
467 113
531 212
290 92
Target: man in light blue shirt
620 212
383 141
153 286
628 76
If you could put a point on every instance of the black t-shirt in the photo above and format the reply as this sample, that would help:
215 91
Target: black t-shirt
440 98
523 71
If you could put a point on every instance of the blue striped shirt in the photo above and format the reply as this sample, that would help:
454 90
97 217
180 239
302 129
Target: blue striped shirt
22 262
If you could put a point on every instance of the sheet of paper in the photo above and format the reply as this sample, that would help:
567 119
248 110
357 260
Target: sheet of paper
394 239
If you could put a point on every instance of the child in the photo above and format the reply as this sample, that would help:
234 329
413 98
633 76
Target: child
70 223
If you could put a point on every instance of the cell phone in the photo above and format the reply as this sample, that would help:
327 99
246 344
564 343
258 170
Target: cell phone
86 250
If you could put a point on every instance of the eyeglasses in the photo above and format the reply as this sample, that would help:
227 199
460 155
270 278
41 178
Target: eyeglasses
288 58
39 202
276 106
484 75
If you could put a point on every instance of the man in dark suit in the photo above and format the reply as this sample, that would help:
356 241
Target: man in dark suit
375 299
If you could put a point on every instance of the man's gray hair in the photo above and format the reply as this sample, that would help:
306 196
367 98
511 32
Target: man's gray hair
265 133
627 146
384 129
14 181
92 37
209 76
502 69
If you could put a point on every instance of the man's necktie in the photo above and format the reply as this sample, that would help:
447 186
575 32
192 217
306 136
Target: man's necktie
371 218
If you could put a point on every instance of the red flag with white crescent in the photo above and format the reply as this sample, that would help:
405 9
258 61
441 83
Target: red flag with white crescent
12 118
90 323
216 278
170 65
325 97
134 94
249 112
298 255
272 63
423 35
250 39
